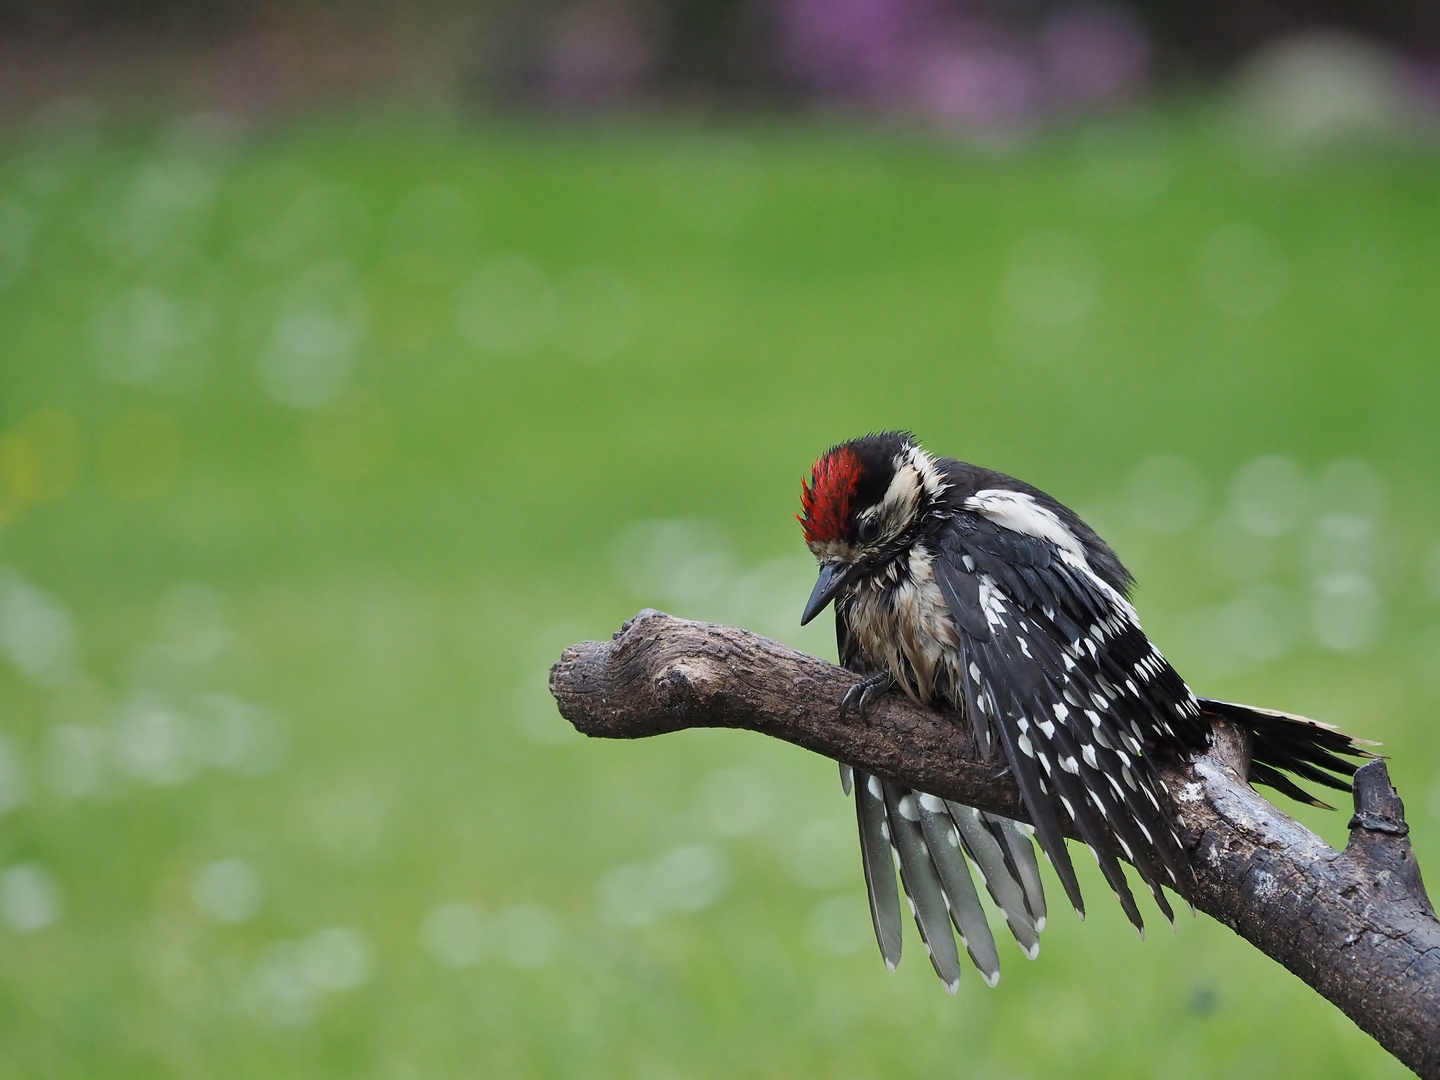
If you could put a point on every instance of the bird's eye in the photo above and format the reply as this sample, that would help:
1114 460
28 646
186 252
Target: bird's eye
867 530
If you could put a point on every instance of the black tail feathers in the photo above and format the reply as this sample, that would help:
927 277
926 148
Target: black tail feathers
1294 744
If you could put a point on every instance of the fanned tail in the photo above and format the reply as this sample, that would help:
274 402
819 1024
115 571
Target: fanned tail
1285 743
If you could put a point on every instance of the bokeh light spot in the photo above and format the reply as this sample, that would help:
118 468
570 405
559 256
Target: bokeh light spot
1343 544
310 358
152 741
227 891
508 307
738 801
671 561
29 898
1238 554
1348 612
534 712
37 634
1269 496
229 733
528 935
454 934
335 959
278 990
687 878
1049 287
290 975
144 335
686 567
159 213
1320 87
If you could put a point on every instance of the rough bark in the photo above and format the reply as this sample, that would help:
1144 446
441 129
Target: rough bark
1356 925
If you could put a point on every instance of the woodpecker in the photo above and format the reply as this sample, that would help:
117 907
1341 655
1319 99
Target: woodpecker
976 593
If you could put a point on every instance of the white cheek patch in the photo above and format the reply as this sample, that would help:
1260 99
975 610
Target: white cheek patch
930 479
1019 512
902 499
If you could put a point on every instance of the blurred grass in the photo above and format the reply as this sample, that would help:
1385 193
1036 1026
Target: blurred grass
353 424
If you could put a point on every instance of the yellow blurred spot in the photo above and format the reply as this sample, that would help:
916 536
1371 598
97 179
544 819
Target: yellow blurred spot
350 438
42 456
140 455
39 459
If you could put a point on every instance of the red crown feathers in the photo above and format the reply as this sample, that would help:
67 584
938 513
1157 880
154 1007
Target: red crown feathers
825 500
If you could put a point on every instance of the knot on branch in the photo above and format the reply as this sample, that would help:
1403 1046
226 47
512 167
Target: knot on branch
1375 823
684 685
1379 849
1378 807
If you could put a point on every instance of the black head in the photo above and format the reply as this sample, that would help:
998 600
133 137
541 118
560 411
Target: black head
862 501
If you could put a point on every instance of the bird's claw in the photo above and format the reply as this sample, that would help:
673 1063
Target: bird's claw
863 694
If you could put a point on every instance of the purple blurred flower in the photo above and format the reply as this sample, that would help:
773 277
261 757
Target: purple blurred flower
598 53
1095 55
855 47
992 89
962 67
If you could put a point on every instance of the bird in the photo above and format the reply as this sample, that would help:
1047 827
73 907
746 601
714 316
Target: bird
979 594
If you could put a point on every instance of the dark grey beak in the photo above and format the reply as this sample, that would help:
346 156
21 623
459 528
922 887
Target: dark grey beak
833 578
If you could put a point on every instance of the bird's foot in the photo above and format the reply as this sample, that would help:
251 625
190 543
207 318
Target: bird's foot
863 694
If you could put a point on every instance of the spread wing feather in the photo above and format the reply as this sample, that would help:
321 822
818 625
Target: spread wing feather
930 840
1032 786
921 879
1020 857
1008 885
1076 694
879 870
948 852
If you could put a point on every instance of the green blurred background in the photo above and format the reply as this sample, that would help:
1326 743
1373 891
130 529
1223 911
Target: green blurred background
323 436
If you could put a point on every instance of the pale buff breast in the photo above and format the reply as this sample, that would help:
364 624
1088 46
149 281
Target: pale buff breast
902 624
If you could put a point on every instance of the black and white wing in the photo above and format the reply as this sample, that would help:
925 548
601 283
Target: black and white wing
929 840
1056 667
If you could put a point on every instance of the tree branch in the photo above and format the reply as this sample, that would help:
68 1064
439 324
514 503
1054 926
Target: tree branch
1356 925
